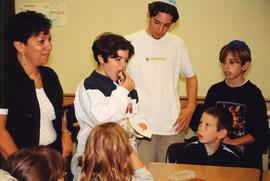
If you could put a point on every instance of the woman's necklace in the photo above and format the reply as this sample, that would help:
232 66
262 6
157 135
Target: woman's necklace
32 72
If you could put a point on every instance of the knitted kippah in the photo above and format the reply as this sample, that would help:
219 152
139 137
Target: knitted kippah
171 2
241 44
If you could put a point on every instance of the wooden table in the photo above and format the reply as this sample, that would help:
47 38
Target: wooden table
266 176
161 172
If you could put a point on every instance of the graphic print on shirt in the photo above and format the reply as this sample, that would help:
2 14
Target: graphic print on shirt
239 112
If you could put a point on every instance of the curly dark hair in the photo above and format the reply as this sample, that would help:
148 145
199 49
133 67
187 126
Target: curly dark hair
26 24
107 44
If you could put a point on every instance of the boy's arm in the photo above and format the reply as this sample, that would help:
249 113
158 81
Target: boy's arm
258 126
246 139
210 98
185 115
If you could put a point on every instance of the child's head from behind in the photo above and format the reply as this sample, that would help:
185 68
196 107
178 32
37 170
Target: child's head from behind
214 125
107 154
39 163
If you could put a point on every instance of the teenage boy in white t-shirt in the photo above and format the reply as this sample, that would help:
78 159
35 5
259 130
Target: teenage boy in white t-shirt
160 59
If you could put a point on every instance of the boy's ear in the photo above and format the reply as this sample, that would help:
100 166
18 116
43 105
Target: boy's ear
245 66
19 46
100 59
222 133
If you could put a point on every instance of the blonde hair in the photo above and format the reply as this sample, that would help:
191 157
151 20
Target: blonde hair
107 154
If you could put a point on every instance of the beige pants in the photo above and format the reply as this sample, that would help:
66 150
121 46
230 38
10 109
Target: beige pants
155 149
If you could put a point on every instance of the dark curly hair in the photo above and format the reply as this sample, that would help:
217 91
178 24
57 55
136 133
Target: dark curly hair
26 24
107 44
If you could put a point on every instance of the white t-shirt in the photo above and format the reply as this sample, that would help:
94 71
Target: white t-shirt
156 67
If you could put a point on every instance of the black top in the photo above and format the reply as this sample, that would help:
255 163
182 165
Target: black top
23 119
195 153
256 122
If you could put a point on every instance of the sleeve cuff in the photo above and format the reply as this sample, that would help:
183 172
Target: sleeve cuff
3 111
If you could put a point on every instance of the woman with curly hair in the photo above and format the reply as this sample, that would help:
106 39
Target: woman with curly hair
31 101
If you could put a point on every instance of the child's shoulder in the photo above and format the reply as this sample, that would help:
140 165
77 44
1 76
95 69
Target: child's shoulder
193 145
250 88
253 86
230 150
218 85
97 81
247 85
231 156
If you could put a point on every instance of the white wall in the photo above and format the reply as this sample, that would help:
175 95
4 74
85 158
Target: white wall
205 25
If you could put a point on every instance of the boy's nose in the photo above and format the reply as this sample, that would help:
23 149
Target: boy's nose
200 128
160 29
123 64
225 65
48 46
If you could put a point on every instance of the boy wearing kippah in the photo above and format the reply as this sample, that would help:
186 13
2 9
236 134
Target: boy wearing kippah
160 59
244 100
214 126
